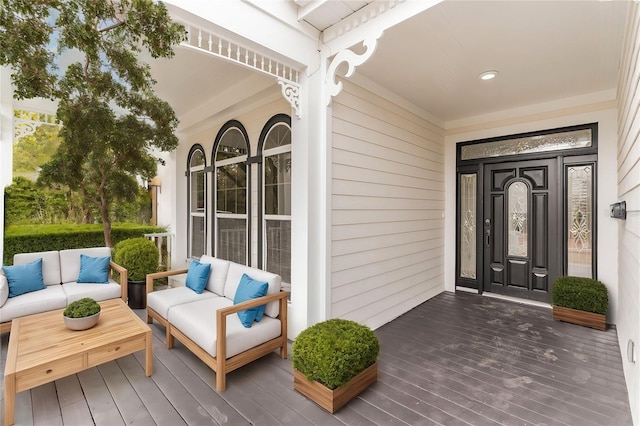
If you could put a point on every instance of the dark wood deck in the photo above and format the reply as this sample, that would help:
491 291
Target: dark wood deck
458 359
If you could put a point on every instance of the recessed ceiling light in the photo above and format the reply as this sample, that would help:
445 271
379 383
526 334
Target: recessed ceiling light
488 75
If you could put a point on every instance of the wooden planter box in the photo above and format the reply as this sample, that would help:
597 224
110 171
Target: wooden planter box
587 319
333 400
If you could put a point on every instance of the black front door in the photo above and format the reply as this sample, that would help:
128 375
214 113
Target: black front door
522 231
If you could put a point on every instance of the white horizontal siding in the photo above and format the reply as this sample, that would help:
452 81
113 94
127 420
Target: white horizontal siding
628 324
387 230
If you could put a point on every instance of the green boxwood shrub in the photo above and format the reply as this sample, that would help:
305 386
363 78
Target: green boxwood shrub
36 238
138 255
82 308
334 351
583 294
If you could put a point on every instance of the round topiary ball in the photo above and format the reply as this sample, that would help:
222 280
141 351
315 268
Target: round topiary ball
334 351
139 256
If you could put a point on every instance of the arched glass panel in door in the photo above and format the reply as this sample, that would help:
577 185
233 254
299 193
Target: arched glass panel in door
517 215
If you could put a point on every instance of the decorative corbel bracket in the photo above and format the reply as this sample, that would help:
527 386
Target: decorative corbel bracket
353 60
291 92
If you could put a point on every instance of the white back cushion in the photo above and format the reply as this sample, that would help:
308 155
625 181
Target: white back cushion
70 261
50 264
235 274
218 274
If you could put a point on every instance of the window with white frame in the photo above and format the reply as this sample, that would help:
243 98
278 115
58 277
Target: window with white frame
230 227
275 145
197 201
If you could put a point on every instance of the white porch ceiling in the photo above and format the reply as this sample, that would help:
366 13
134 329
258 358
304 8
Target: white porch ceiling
543 51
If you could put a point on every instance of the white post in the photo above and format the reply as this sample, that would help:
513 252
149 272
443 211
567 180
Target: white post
310 242
6 143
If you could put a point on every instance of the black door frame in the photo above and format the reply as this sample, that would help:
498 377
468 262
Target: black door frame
587 155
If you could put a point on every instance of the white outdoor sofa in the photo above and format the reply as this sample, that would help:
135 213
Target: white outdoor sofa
198 320
60 271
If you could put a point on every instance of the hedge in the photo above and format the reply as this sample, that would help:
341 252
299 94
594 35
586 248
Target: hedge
36 238
583 294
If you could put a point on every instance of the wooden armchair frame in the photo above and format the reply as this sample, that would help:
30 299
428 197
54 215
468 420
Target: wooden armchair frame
220 364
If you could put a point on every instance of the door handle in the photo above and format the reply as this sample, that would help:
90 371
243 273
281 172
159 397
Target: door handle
487 237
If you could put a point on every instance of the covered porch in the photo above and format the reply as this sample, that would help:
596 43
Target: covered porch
458 358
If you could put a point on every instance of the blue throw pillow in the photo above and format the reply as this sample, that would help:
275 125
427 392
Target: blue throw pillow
24 278
250 289
197 276
94 269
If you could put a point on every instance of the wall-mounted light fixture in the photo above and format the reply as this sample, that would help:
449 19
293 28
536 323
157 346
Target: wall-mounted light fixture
631 352
619 210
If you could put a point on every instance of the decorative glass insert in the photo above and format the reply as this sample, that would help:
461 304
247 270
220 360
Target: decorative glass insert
527 145
468 230
580 220
517 211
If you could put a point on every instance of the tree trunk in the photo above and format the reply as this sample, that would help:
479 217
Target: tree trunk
104 212
106 226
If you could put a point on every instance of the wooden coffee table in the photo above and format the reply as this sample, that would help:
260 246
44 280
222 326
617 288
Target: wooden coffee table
42 349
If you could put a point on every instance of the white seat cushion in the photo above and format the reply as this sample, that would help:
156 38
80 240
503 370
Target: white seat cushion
198 321
35 302
70 261
235 274
99 292
50 264
161 300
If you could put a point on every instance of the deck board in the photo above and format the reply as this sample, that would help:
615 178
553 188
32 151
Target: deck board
73 404
458 359
127 401
46 408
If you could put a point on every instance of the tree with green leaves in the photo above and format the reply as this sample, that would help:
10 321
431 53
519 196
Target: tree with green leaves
32 151
112 119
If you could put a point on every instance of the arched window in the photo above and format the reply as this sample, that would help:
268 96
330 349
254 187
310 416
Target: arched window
197 194
231 232
275 218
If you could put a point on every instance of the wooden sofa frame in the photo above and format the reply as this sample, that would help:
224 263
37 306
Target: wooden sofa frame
220 364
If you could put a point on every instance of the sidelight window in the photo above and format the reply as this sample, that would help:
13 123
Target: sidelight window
580 220
468 231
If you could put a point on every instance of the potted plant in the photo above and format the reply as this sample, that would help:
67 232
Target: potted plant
582 301
81 314
334 361
140 257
